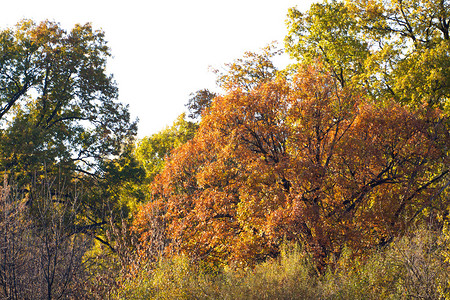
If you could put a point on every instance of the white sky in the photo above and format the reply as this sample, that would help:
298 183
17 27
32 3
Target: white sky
162 50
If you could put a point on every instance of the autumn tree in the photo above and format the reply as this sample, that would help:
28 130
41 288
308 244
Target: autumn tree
303 159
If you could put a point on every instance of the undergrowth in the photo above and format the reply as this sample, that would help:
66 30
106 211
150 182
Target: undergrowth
415 266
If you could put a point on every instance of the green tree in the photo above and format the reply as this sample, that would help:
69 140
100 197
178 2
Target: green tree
60 118
327 31
57 102
395 48
151 151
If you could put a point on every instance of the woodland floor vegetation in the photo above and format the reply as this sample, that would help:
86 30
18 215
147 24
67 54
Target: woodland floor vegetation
413 266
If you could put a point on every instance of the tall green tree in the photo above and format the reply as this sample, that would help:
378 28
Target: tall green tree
60 119
329 32
58 104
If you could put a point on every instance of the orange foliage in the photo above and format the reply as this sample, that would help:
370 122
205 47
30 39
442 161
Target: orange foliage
300 159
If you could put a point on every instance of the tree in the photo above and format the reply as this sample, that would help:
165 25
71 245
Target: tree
13 243
60 118
57 103
414 39
60 115
396 49
327 31
303 159
152 151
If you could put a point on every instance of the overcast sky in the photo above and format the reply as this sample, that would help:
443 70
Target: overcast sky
162 50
